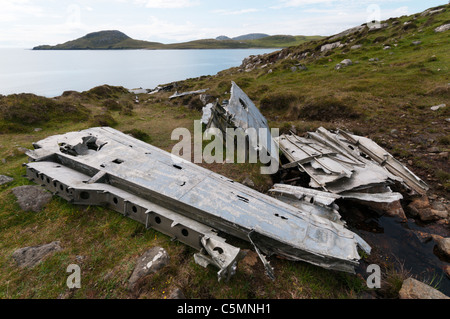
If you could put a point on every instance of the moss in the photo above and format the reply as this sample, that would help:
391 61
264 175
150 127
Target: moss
327 108
140 135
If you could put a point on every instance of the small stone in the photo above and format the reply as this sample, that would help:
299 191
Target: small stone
414 289
31 256
177 294
38 129
355 47
443 245
5 179
417 42
387 47
433 149
346 62
443 155
437 107
248 182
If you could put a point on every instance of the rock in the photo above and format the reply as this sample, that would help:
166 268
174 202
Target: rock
338 66
393 209
447 270
31 198
206 98
5 179
294 69
414 289
437 107
387 47
377 25
443 155
301 67
443 245
433 149
421 208
443 28
22 150
374 59
356 47
429 215
248 182
346 62
38 129
31 256
330 46
177 294
150 262
417 42
348 32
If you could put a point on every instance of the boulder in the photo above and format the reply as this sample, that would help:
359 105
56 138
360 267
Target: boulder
443 28
31 256
346 62
414 289
31 198
150 262
5 179
330 46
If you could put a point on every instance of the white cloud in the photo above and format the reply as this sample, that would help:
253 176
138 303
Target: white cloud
235 12
164 4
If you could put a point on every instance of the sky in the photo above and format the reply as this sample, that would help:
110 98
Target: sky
28 23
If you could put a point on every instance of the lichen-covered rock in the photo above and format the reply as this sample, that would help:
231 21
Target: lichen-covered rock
31 256
414 289
31 198
150 262
5 179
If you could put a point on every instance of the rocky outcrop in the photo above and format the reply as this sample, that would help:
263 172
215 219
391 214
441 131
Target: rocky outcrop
330 46
150 262
422 209
31 198
29 257
414 289
443 28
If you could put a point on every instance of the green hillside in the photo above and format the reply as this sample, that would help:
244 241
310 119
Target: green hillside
116 40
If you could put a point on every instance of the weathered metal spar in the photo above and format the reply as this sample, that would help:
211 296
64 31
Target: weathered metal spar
102 166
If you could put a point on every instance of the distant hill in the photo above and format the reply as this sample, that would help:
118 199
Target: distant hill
251 36
102 40
116 40
223 38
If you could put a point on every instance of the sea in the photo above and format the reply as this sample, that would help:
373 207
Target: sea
50 73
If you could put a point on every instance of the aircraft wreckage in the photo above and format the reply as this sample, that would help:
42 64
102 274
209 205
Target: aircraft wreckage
102 166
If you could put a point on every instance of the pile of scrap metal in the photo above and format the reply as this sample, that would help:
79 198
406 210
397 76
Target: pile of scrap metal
342 165
241 114
102 166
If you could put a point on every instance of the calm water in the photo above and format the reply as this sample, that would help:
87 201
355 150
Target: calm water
50 73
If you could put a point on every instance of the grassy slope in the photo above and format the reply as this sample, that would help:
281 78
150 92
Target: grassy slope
392 93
